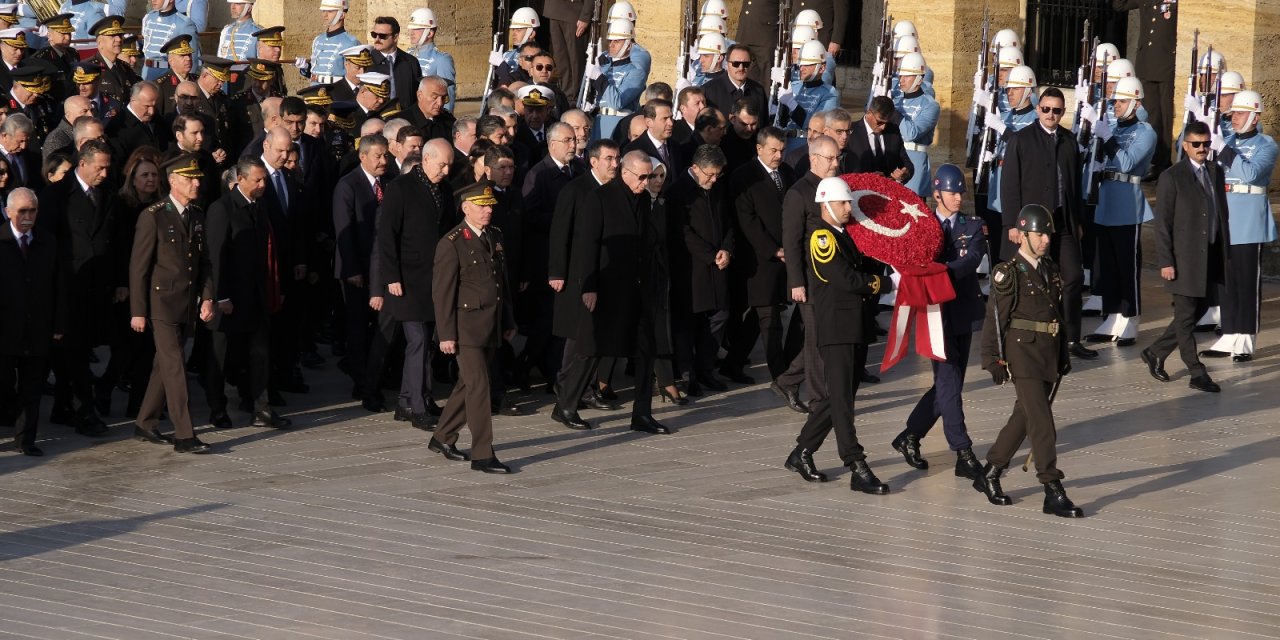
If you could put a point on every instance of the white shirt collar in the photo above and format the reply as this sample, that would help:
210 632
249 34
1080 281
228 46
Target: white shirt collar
657 144
369 176
766 167
1052 133
478 232
17 235
83 185
177 205
246 196
271 171
597 179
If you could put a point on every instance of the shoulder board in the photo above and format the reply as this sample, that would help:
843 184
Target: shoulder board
454 235
1004 276
157 207
496 230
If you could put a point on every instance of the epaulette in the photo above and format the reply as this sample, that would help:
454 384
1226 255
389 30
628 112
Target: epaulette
390 113
156 207
1004 277
453 235
822 249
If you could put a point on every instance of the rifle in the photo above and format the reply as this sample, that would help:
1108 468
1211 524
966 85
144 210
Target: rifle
1192 81
978 112
491 77
1217 102
1088 65
781 58
586 93
884 54
987 147
1093 157
688 38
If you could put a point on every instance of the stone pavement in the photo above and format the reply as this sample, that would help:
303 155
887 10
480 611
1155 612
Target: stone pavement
348 528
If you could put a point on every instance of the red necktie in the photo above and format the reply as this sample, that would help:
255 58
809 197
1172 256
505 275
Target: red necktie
377 189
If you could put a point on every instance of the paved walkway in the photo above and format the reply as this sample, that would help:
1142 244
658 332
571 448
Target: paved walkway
348 528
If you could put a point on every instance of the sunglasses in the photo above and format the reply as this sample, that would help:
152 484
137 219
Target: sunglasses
1198 144
544 67
641 176
379 36
1057 111
739 64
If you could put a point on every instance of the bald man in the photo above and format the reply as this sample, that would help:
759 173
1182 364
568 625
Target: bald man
62 138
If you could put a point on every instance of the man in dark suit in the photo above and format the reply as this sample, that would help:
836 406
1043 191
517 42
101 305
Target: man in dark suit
473 317
33 282
875 144
532 130
1192 236
404 68
355 205
188 137
656 141
428 112
757 189
18 145
963 246
841 286
725 90
689 103
137 125
507 216
79 208
1157 44
415 214
248 289
1042 166
168 282
569 21
739 139
291 227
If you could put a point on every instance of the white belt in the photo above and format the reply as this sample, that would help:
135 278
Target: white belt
610 111
323 79
156 64
911 146
1247 188
1122 177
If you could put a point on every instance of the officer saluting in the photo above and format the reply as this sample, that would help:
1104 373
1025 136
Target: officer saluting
840 287
469 288
1024 342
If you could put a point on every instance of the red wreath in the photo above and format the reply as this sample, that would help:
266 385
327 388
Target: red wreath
894 225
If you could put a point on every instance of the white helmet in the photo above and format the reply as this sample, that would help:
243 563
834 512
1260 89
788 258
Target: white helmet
712 24
712 43
333 5
1021 76
1119 69
422 18
621 30
905 28
1106 52
1010 57
1232 82
801 35
1212 64
1006 38
1247 101
1128 88
525 18
622 10
812 53
809 18
905 45
714 8
833 190
912 64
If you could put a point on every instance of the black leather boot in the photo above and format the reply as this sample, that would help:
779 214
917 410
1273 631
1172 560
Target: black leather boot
862 479
967 465
989 483
909 446
1057 502
801 462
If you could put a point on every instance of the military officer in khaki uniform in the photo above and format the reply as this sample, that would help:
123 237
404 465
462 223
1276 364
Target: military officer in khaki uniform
469 289
168 281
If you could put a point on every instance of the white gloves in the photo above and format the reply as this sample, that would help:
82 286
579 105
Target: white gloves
1191 103
593 71
995 122
1087 113
495 58
1082 93
681 84
877 70
1217 143
1102 129
977 81
778 75
878 91
982 97
786 98
303 65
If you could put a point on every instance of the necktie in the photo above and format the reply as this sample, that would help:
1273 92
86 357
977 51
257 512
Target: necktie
484 239
538 136
1211 203
282 191
18 168
946 229
434 189
777 180
377 189
566 171
662 151
24 243
88 193
879 148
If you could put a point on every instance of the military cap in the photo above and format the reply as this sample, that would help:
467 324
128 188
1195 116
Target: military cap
378 83
341 114
186 165
478 193
60 23
16 38
360 55
8 13
260 69
219 68
130 46
316 94
535 95
178 46
270 36
34 77
85 73
108 26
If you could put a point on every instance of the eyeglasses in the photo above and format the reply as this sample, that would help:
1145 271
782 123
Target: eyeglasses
379 36
544 67
1198 144
1057 111
739 64
642 176
564 140
827 158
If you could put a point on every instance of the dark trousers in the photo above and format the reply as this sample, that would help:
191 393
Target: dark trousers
541 348
1158 100
644 361
31 371
569 52
808 366
1180 334
708 332
1065 250
468 405
132 355
943 399
1032 416
1120 266
246 351
167 388
368 336
1239 297
758 321
844 364
415 384
576 370
73 377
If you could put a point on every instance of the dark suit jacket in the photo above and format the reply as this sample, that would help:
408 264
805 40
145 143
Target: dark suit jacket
542 187
721 94
34 292
405 74
962 253
757 203
567 10
677 164
609 238
409 228
439 127
87 234
800 216
843 292
537 150
169 267
571 319
32 175
707 231
737 150
340 91
508 215
126 133
1182 224
354 213
861 158
237 232
1029 175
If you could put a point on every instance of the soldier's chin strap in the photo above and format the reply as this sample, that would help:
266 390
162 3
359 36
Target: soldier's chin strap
1128 113
528 34
337 17
422 39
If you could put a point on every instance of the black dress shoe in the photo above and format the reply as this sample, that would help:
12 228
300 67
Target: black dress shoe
220 420
1203 382
91 425
402 414
1206 328
190 445
801 462
737 376
1099 337
1214 353
1080 351
433 409
867 377
154 437
449 451
1126 342
989 483
594 399
505 409
270 418
648 425
862 479
967 465
606 392
1242 357
374 405
713 383
32 451
489 465
424 421
1155 365
1057 502
571 419
791 395
909 446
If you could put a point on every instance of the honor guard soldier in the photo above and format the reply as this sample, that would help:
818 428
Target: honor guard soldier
1248 160
964 245
1232 83
640 56
917 117
131 53
196 10
842 284
1007 60
1211 65
1019 90
471 291
434 62
178 57
811 95
325 64
238 41
86 13
524 26
160 26
1122 209
31 84
60 53
902 48
810 19
86 79
1117 71
13 49
799 36
355 61
710 60
1022 341
619 81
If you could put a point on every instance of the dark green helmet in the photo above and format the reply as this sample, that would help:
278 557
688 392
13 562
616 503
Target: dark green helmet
1034 217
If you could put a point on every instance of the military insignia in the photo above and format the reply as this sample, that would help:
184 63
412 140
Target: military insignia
1003 280
498 247
466 234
